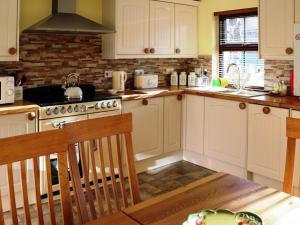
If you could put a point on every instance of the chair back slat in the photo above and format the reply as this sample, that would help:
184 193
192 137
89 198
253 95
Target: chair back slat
86 177
23 157
292 133
112 173
121 174
103 174
12 197
38 191
95 178
102 137
50 190
25 193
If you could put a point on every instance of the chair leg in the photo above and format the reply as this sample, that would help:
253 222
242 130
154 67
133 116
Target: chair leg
289 166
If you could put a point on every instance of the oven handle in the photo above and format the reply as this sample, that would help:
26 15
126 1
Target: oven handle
60 125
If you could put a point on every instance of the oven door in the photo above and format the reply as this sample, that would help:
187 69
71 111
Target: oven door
51 124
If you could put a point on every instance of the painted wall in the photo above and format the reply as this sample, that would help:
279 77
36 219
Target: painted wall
207 20
32 11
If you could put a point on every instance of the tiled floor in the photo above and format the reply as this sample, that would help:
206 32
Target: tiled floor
152 183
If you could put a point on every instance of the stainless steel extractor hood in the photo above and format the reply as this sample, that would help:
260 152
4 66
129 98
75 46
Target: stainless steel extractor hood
64 19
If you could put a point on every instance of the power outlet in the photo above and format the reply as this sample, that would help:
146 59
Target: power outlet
108 74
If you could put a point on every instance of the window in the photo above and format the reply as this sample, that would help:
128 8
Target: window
238 44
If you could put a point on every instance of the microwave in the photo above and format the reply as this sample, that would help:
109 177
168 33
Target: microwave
7 90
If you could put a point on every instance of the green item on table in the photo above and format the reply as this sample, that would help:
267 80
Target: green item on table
216 83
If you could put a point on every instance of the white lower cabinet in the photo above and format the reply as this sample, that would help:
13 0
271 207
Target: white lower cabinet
194 124
172 123
225 135
13 125
267 141
148 131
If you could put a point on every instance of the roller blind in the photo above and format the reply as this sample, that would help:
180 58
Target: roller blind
238 44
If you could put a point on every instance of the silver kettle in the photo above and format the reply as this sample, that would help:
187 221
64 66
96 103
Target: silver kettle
72 89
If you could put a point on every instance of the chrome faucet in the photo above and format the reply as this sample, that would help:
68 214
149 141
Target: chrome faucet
238 73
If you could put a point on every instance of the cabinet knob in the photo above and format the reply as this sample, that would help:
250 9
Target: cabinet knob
152 50
145 102
242 106
31 116
266 110
179 97
289 51
177 51
146 50
12 51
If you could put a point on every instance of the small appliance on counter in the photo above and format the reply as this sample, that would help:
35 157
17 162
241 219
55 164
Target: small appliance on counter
7 90
145 81
119 79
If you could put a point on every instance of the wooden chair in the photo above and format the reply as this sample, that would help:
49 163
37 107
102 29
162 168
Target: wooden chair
99 131
293 133
27 151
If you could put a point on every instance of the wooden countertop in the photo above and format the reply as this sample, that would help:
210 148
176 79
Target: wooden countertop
18 107
287 102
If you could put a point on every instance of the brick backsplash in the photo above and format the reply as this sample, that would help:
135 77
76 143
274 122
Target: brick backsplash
46 59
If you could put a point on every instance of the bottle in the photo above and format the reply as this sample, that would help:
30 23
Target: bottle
192 79
182 79
174 79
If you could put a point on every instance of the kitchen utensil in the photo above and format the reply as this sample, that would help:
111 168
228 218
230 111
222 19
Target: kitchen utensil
73 91
119 79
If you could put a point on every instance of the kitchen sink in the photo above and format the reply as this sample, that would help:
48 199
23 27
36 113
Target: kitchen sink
230 92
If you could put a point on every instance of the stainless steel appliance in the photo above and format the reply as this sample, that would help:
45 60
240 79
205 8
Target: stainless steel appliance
146 81
7 90
55 111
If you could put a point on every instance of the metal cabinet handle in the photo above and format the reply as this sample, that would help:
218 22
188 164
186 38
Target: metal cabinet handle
289 51
242 106
266 110
31 116
12 51
145 102
152 50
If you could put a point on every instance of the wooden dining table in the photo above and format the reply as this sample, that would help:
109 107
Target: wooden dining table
218 191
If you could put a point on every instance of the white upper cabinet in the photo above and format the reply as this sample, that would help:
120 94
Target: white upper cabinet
161 28
267 141
225 135
186 31
297 11
150 29
276 29
9 26
132 26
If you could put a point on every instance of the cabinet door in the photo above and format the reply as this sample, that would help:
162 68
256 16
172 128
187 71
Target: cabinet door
194 133
172 124
225 135
297 11
147 127
132 26
9 29
276 28
162 27
267 141
186 30
13 125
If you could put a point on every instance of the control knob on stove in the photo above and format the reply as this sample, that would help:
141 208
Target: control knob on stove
48 111
83 108
63 110
56 110
70 110
97 106
109 105
115 104
103 106
76 108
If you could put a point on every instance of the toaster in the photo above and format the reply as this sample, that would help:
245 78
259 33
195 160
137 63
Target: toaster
146 81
